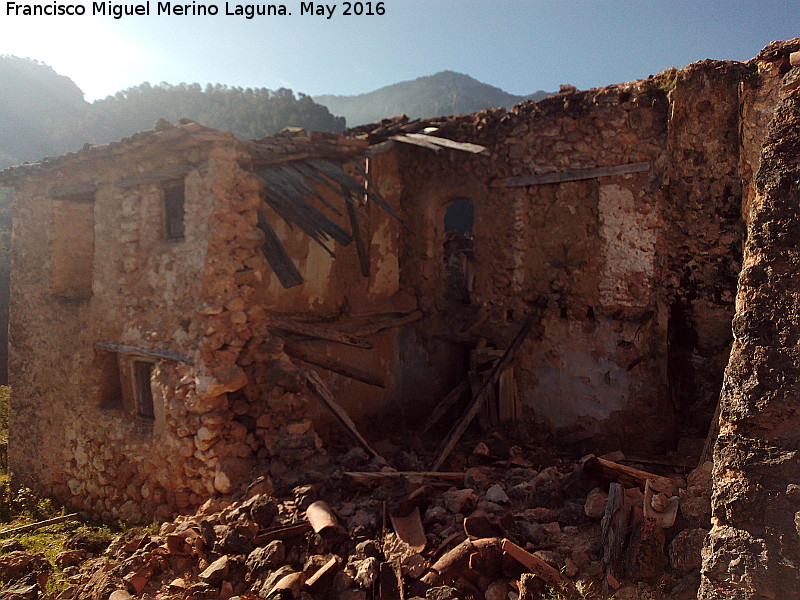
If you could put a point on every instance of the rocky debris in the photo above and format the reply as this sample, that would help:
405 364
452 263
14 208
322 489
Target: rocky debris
332 538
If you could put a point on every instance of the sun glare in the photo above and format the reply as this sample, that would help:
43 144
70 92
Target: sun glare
97 57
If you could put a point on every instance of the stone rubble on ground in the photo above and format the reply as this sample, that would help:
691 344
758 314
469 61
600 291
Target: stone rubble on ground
260 545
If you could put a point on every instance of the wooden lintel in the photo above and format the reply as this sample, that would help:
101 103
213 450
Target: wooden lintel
331 364
159 175
575 175
124 349
280 324
82 192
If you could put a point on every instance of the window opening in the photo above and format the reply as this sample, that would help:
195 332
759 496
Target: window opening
174 196
458 249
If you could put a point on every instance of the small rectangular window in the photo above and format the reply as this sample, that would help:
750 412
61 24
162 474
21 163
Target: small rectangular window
142 392
173 211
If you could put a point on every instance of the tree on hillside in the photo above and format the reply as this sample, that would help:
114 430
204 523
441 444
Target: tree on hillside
248 112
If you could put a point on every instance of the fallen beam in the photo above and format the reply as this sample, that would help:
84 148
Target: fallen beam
627 476
331 364
477 402
37 525
323 394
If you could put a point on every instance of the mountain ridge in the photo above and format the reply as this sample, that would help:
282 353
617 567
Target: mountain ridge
414 98
44 113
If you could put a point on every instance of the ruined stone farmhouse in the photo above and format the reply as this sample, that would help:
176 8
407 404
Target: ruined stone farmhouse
172 292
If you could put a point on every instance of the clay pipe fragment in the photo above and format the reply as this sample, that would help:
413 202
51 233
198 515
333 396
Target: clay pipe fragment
455 562
321 517
409 529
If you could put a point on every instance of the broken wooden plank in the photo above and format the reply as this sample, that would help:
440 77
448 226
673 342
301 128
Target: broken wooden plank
628 476
276 255
323 394
37 525
158 175
412 477
614 527
447 402
332 364
461 426
320 333
415 142
158 353
574 175
446 143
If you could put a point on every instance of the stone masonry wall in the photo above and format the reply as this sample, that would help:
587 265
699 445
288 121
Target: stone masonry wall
188 297
752 551
605 259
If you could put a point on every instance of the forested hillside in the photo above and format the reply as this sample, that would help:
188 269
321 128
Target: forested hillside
34 102
44 114
249 113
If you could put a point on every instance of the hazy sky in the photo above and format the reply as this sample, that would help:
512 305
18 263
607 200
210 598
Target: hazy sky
518 45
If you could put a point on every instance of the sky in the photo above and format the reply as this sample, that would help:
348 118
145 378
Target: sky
520 46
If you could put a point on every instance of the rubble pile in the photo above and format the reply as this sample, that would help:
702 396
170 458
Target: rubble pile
498 529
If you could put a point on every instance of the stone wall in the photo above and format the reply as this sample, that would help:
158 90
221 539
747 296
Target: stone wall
634 273
75 431
752 551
